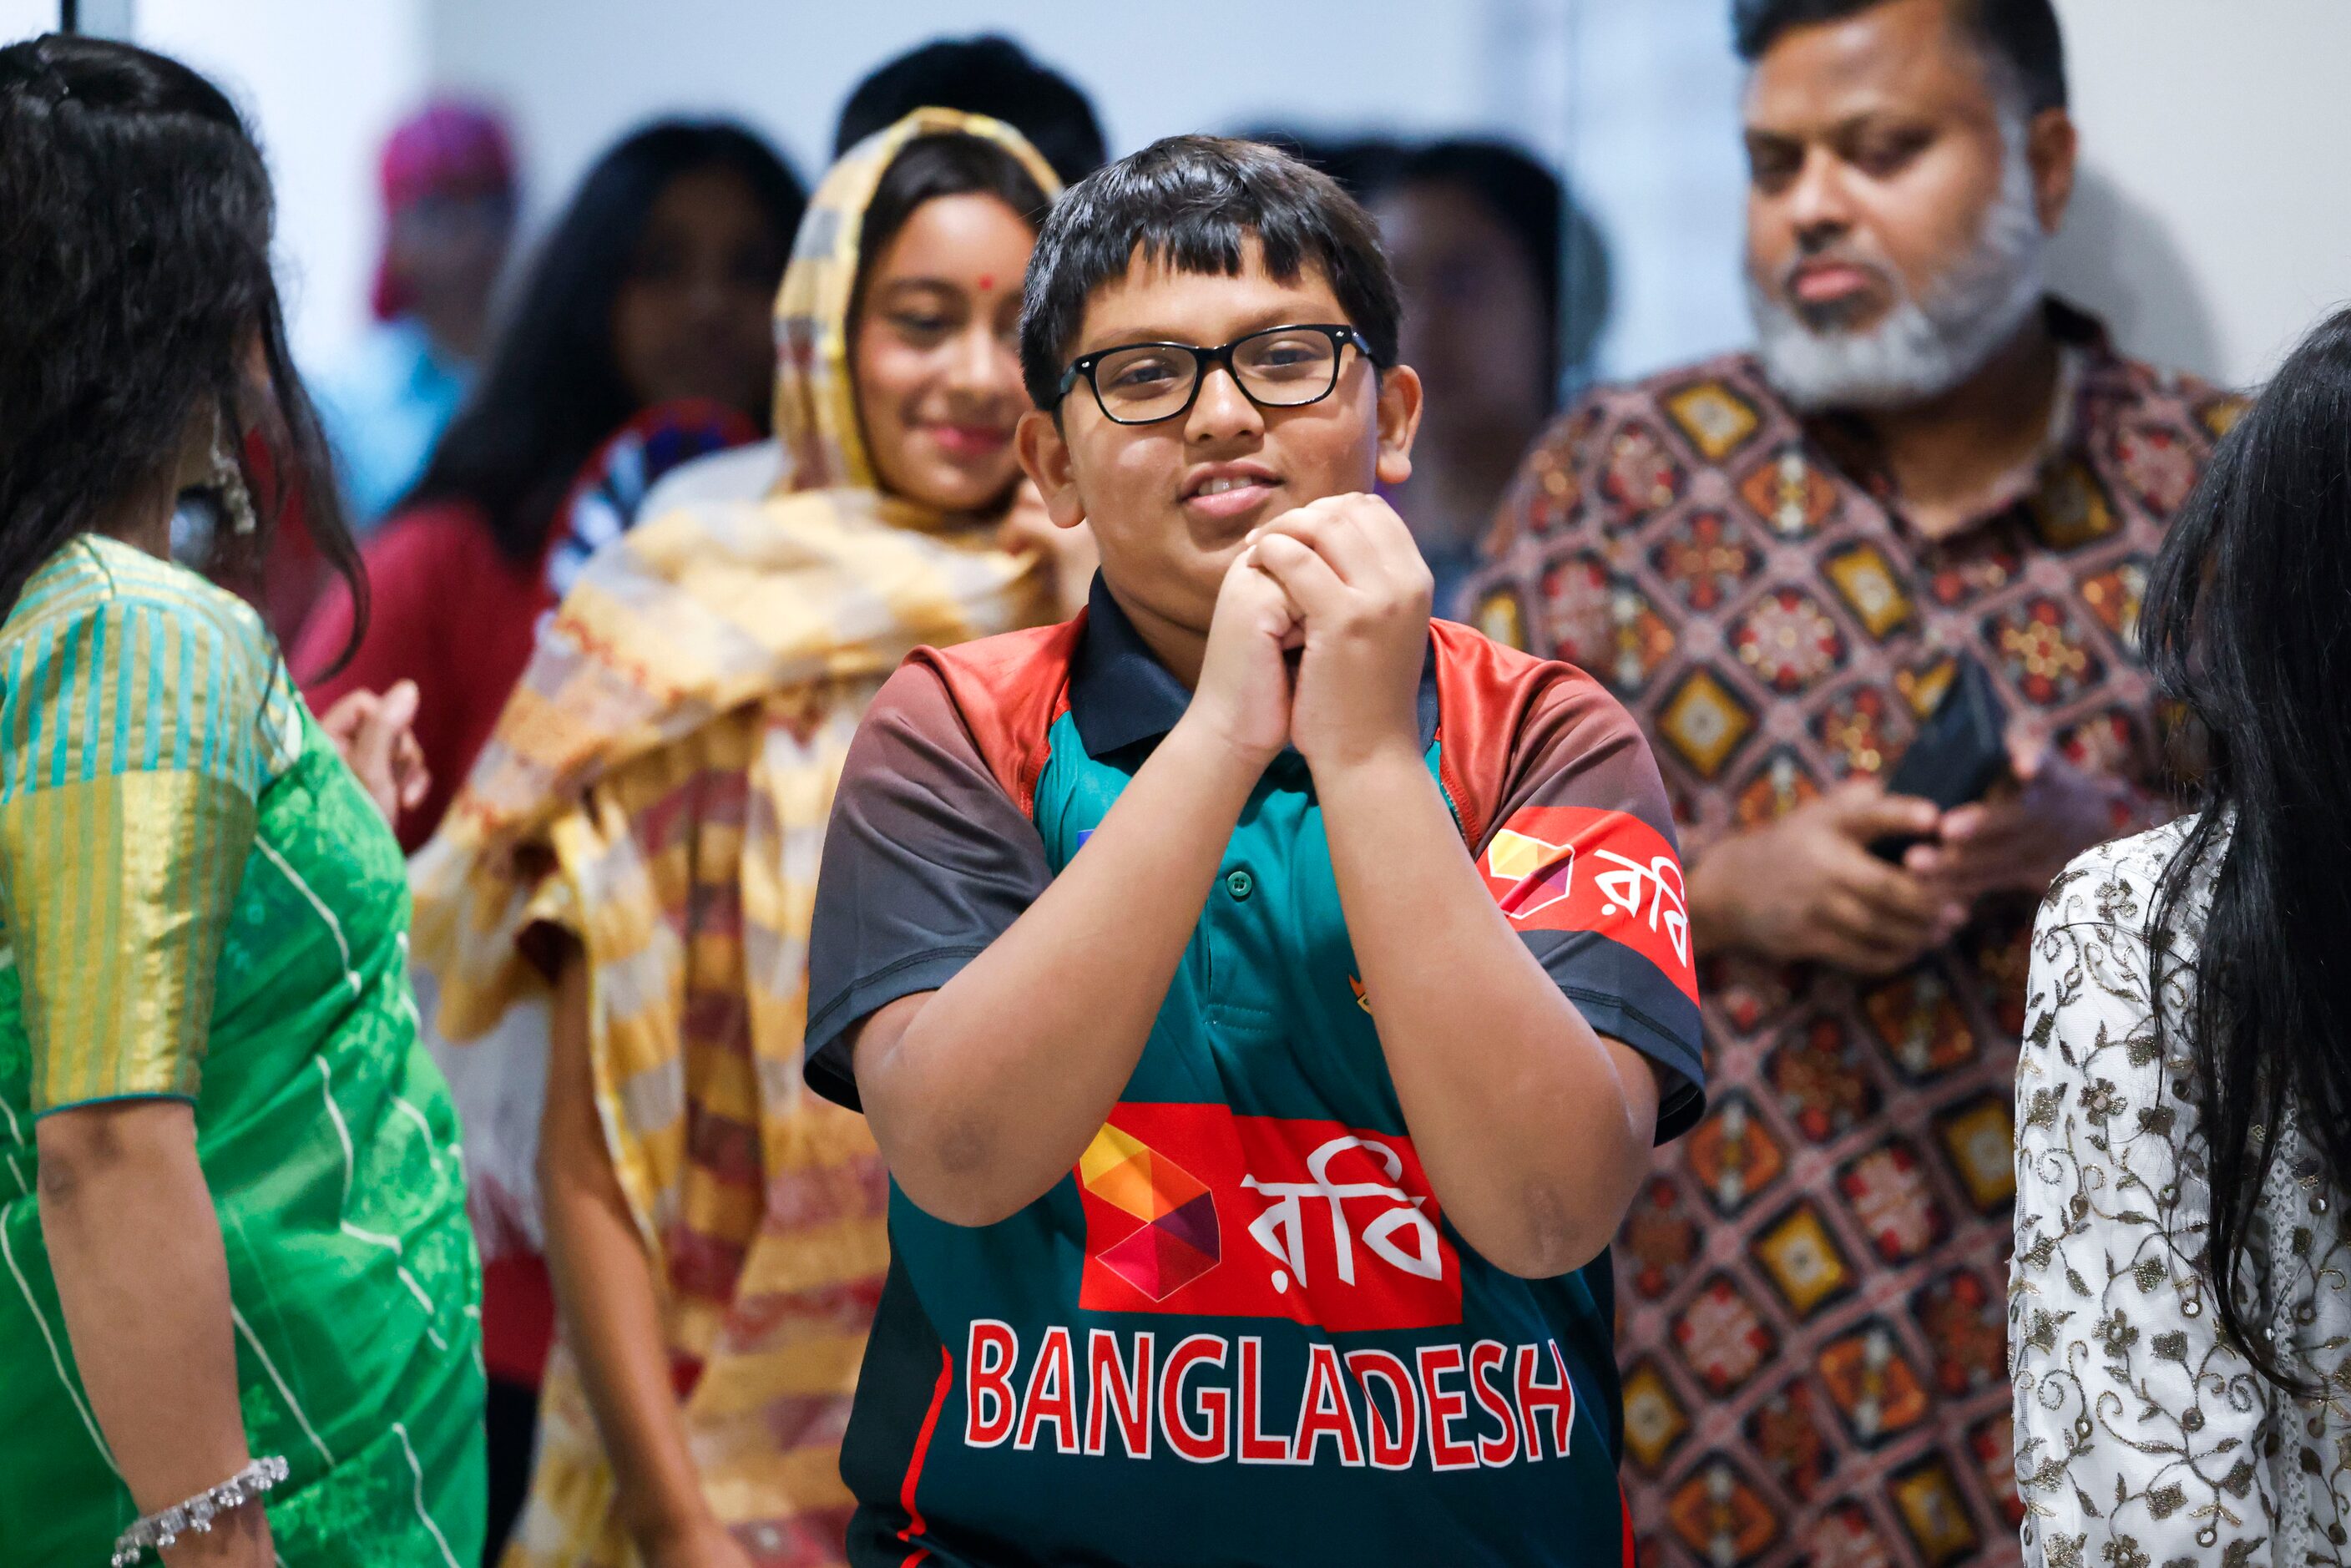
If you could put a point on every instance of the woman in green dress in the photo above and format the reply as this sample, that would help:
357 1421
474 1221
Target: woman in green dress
232 1226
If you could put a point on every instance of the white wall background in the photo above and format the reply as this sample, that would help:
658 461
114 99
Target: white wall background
1651 143
575 71
22 18
2214 224
1650 137
322 81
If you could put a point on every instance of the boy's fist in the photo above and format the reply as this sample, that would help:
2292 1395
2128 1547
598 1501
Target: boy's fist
1243 695
1349 566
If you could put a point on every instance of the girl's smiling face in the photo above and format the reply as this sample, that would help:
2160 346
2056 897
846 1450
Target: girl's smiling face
935 353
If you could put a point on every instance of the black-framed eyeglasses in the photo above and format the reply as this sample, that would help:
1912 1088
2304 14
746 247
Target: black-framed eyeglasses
1280 367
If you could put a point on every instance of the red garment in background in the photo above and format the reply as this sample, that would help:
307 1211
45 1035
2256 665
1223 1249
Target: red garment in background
448 611
518 1317
289 577
451 613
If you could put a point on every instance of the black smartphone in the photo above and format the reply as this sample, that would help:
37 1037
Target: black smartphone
1958 754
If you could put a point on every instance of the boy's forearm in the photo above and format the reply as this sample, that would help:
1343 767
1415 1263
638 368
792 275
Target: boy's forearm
985 1093
1533 1129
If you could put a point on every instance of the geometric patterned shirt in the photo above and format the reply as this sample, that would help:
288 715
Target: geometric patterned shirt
1811 1286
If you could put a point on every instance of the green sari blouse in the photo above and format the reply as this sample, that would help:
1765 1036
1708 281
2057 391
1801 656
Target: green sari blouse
198 900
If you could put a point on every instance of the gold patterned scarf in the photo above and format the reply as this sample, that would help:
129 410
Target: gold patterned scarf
658 787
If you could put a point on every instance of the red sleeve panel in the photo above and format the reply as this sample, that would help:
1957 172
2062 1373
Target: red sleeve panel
930 853
1563 808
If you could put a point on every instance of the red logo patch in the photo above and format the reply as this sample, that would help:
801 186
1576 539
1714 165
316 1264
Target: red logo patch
1190 1208
1570 868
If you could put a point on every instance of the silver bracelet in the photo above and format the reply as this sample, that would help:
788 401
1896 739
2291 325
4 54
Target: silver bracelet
162 1529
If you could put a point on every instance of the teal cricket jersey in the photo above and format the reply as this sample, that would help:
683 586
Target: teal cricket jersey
1242 1330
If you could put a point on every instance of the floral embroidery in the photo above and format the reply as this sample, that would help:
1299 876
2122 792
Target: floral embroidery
2142 1438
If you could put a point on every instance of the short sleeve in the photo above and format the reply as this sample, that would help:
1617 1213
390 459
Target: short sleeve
2140 1431
926 861
131 760
1581 856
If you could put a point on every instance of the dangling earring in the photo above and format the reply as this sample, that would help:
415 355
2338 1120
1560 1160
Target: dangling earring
228 479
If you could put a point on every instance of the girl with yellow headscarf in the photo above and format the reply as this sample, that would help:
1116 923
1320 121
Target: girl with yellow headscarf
636 850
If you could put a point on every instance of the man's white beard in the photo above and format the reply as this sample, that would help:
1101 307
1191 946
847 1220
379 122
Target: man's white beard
1921 347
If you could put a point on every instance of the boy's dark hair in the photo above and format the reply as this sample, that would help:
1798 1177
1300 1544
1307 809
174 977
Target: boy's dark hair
1191 201
989 74
2021 34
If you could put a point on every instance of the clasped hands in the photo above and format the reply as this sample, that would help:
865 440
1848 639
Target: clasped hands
1340 584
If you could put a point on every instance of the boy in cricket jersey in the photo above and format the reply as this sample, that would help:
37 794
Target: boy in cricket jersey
1265 998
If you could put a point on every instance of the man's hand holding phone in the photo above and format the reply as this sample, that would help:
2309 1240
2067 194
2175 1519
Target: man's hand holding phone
2021 836
1807 888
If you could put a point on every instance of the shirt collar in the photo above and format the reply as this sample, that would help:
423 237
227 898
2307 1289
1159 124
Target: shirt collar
1121 695
2083 350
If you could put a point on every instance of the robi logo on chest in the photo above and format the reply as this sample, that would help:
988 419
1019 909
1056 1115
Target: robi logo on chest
1193 1209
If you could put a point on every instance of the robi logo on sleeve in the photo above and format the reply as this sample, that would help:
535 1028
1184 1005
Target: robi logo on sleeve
1570 868
1193 1209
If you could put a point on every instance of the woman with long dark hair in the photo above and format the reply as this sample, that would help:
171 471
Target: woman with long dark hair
650 293
230 1214
2179 1316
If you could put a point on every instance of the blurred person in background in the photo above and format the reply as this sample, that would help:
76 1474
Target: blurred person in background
652 289
636 854
640 336
1486 246
1779 560
987 74
447 175
233 1220
2181 1298
1364 164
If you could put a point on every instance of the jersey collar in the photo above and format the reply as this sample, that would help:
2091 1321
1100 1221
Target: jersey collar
1121 695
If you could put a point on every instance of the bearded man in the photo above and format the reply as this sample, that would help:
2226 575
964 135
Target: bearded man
1779 560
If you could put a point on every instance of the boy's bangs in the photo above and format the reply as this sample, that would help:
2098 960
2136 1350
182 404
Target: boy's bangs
1214 244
